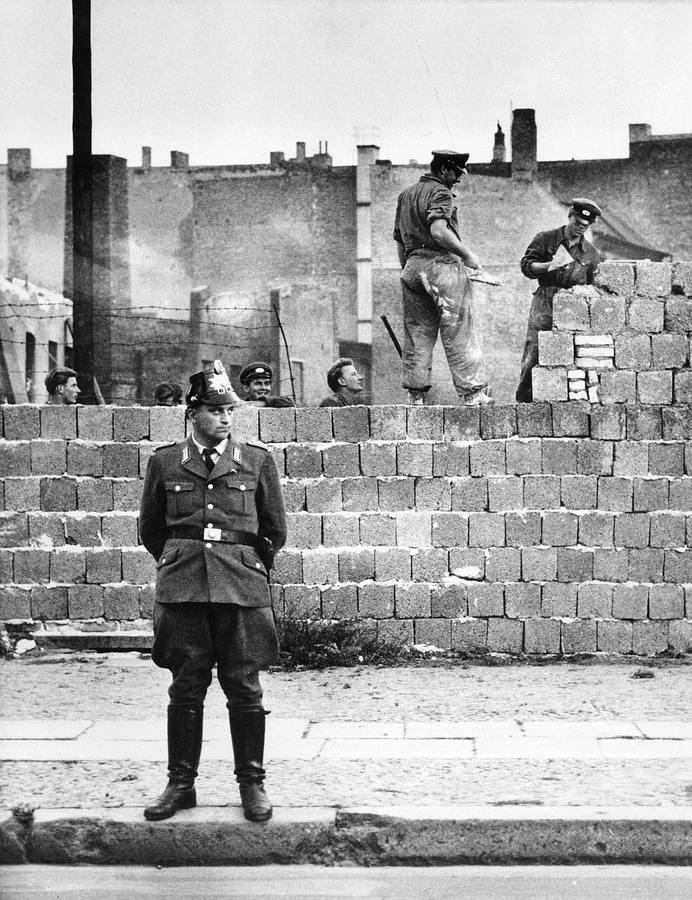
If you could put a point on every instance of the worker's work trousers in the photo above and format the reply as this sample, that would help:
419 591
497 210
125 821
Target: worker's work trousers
540 319
423 321
190 638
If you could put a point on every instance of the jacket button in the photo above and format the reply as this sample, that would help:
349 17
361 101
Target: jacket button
242 487
163 559
208 546
210 487
257 566
177 487
210 506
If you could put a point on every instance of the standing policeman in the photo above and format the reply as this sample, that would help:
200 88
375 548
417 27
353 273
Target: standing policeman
212 516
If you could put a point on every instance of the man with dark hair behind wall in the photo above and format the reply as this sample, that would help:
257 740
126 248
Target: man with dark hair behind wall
212 516
559 258
345 384
62 387
426 230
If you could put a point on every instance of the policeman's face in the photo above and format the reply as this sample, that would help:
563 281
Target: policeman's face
69 391
259 388
451 175
351 380
211 424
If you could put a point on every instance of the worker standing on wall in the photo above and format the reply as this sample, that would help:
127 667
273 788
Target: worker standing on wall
436 293
558 259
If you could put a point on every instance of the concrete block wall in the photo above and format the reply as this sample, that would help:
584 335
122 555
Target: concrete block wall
626 339
537 528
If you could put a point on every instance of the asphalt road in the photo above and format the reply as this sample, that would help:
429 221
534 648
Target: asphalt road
320 883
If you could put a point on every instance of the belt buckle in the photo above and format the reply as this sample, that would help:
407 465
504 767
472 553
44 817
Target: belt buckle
212 534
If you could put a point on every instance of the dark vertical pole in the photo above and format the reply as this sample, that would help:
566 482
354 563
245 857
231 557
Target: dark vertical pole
82 200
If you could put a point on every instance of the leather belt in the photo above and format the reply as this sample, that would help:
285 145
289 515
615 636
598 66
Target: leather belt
210 533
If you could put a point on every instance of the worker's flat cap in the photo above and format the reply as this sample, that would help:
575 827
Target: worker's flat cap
255 370
585 210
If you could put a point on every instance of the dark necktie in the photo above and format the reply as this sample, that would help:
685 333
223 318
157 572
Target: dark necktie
208 460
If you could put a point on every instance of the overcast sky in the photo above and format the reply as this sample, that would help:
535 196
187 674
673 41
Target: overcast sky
230 80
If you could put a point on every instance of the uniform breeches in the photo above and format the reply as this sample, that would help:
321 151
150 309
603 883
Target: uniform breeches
540 319
422 324
190 638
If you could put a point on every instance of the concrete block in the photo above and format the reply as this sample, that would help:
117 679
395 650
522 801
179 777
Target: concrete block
430 564
487 458
376 601
503 564
147 599
414 529
614 637
340 460
680 636
498 422
313 424
85 601
631 458
288 567
615 493
121 602
549 384
608 313
645 314
683 387
58 494
339 601
22 494
633 351
681 278
669 351
649 638
462 423
15 458
31 565
351 423
570 419
611 565
138 566
652 279
469 634
574 565
303 461
360 494
467 564
522 457
644 423
618 387
541 636
677 423
15 603
323 496
450 529
655 387
21 423
378 529
301 601
666 601
450 459
505 635
167 423
470 494
339 530
632 530
486 529
357 564
680 493
541 492
388 423
595 457
594 600
486 599
596 529
58 422
534 419
414 459
85 458
44 529
650 494
608 423
555 348
522 601
630 601
667 530
378 459
277 425
559 529
95 494
571 309
614 277
522 529
667 458
48 602
505 492
559 457
678 566
121 460
127 493
579 491
678 314
396 493
646 566
539 563
6 557
304 530
435 632
103 566
449 601
320 566
130 423
559 600
95 423
578 636
425 423
392 564
119 530
411 600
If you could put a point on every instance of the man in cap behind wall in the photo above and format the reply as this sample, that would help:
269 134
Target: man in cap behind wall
558 259
256 378
426 227
212 516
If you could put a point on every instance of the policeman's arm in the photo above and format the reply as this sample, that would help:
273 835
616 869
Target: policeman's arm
270 505
445 237
152 510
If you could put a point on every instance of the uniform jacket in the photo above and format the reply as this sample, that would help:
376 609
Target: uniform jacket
241 493
418 207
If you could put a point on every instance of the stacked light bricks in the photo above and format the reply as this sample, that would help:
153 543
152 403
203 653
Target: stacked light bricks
624 340
539 528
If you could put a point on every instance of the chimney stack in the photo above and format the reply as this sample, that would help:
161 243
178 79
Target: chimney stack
146 158
524 154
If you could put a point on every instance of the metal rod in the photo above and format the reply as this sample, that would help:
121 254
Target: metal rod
288 355
390 332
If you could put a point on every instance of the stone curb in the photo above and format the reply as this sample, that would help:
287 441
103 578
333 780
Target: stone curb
359 836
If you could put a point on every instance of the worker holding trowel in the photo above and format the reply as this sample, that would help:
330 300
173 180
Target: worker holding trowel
435 285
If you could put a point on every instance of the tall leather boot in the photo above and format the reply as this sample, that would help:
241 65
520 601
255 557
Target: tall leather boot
247 735
184 748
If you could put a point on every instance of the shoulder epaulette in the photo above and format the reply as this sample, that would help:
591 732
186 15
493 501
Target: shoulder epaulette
257 444
169 444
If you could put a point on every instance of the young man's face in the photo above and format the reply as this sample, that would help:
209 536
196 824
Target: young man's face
259 388
351 380
576 227
211 424
69 391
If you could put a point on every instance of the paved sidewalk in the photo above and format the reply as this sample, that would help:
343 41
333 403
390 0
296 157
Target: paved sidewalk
565 762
